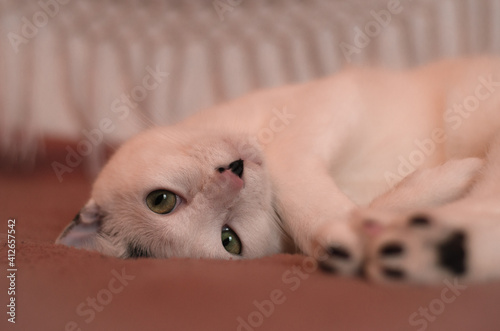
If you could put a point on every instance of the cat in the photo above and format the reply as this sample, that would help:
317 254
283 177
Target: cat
389 174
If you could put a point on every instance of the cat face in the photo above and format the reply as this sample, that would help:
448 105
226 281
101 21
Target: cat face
173 193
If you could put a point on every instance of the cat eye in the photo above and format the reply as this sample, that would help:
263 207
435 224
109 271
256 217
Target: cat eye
162 201
230 240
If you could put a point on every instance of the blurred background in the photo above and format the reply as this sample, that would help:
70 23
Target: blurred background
77 77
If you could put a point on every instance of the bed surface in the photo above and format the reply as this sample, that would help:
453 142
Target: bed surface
61 288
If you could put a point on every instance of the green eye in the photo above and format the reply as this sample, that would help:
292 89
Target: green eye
161 201
230 241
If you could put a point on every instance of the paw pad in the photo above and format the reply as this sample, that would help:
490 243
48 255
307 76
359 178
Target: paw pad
395 274
391 249
338 252
451 253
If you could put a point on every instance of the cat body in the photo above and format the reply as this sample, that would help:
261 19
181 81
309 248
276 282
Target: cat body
361 170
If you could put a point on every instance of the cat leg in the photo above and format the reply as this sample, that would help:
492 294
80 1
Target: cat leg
306 196
306 202
346 246
430 187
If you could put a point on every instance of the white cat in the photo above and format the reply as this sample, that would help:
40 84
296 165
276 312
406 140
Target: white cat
394 174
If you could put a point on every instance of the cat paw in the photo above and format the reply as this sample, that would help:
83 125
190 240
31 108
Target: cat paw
417 249
457 242
338 249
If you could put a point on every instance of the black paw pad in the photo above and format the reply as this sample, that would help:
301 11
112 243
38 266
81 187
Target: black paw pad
451 253
327 268
338 252
391 249
419 220
395 274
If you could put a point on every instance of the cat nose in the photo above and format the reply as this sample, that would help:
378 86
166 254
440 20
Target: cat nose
237 167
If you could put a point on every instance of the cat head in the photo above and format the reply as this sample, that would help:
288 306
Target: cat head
171 192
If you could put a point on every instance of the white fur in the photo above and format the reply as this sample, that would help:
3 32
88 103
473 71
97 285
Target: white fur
314 154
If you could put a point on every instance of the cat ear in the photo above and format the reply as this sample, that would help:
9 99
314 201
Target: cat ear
83 231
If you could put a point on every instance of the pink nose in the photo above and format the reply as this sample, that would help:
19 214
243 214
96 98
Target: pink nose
232 180
233 174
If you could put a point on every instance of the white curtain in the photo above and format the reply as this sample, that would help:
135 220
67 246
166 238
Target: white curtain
68 65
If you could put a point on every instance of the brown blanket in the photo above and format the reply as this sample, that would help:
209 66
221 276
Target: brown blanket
60 288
